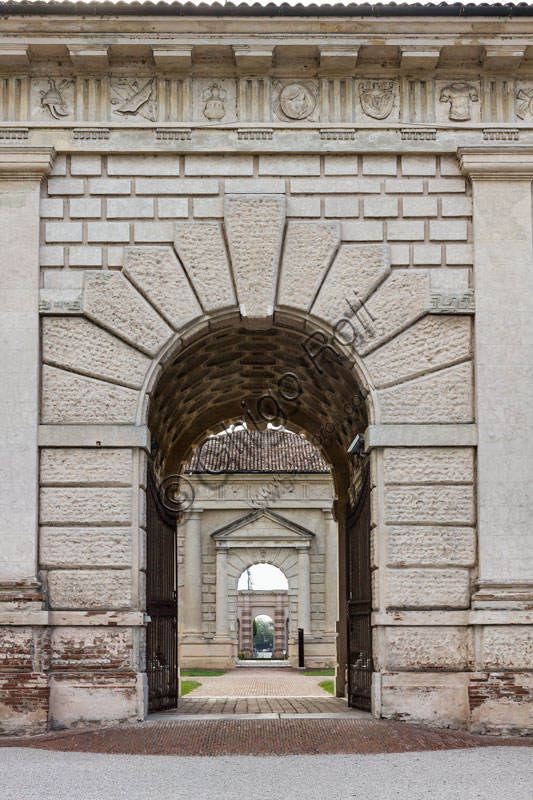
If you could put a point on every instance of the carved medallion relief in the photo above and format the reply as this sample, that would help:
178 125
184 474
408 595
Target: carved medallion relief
296 101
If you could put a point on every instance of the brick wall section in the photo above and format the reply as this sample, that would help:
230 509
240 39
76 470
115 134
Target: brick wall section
93 206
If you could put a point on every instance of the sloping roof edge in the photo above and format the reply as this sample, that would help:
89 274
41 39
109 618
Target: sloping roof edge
249 9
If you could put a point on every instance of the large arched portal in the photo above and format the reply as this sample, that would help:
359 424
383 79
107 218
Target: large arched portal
289 374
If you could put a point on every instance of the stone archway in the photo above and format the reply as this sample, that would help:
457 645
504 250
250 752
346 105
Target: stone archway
189 337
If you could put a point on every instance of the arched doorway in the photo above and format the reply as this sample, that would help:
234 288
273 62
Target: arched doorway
263 636
263 590
275 377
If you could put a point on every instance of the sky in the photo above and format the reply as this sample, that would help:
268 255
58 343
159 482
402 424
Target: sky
264 576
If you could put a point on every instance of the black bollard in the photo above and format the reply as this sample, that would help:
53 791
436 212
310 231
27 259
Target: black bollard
301 655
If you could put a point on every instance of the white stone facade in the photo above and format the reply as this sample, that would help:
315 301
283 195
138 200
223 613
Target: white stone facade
348 203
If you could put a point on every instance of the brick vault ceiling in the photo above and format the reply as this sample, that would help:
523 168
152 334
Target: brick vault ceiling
221 377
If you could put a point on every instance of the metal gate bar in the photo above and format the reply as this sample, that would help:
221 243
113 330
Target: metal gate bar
161 602
359 598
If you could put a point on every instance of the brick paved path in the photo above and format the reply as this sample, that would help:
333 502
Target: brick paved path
297 736
257 682
191 705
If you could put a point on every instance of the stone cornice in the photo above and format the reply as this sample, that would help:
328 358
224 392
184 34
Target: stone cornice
26 163
496 163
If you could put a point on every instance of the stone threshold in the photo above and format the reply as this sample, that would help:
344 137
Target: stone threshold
177 717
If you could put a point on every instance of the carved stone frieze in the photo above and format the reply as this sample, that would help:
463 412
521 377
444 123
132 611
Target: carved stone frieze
132 98
459 96
13 133
337 134
445 302
174 134
296 101
52 99
255 134
418 134
90 133
501 134
377 98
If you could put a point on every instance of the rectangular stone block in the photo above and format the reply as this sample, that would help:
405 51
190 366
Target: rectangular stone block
254 186
85 647
85 164
362 231
420 206
108 232
340 165
51 207
173 207
143 165
85 506
110 186
130 207
115 256
341 206
185 186
428 588
428 465
64 466
90 589
449 166
442 185
380 165
400 254
448 229
335 186
380 206
430 504
427 254
443 396
430 545
507 647
456 206
63 232
419 165
423 696
303 206
52 256
404 186
66 186
289 165
208 207
59 167
85 257
459 254
154 232
402 230
209 165
427 648
85 207
72 547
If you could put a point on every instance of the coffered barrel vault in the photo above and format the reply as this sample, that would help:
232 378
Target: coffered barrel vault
330 210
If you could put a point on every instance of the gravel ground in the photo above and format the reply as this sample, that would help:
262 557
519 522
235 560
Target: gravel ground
486 773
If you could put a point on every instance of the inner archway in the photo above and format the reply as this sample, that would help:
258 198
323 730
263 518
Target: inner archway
263 591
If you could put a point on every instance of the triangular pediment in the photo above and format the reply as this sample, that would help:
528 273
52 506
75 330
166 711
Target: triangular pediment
262 525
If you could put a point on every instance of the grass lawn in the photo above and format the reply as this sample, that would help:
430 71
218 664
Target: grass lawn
327 685
189 686
202 673
317 672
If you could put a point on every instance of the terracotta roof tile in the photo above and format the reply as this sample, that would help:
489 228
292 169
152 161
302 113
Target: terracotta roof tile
257 451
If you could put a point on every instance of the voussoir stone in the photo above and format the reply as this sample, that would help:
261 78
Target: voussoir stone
428 588
443 396
431 342
78 344
71 399
430 545
85 547
158 274
202 250
309 250
111 301
85 506
254 229
428 647
356 272
89 589
86 466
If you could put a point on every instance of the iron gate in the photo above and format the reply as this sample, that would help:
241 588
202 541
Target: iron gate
161 602
359 598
